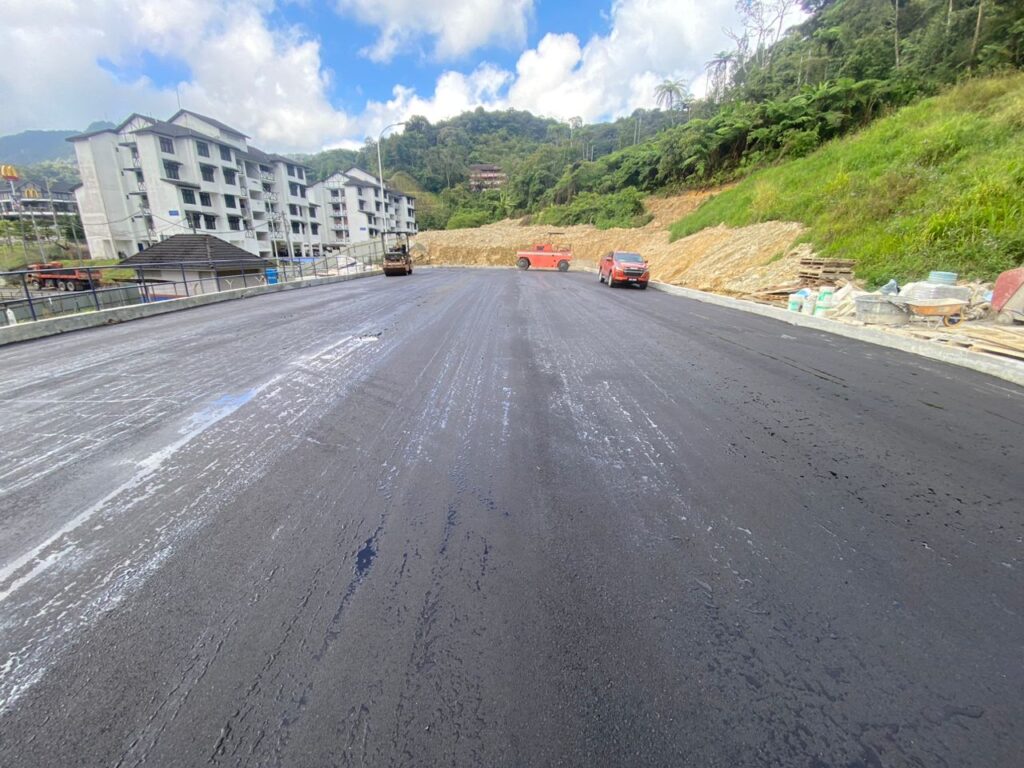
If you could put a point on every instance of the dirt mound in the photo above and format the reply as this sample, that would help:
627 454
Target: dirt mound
734 261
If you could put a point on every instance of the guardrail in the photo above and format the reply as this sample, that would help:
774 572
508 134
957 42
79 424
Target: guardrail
83 289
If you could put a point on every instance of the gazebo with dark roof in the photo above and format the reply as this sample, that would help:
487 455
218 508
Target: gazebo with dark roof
186 265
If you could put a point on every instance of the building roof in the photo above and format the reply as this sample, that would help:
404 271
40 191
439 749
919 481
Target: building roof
485 167
175 131
216 123
116 129
205 250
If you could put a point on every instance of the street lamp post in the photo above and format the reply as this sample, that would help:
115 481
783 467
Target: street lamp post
383 194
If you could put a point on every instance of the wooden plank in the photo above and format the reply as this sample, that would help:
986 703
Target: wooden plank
994 350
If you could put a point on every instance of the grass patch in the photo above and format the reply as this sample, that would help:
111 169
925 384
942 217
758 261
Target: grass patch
939 185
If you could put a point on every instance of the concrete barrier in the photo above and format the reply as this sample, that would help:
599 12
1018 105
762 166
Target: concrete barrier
12 334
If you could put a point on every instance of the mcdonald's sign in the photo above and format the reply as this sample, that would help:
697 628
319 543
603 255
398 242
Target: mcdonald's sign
9 173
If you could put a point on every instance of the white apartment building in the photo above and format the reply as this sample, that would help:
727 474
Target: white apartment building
352 210
148 179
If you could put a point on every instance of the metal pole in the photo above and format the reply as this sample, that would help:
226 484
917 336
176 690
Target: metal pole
28 295
53 212
383 195
184 280
92 287
35 234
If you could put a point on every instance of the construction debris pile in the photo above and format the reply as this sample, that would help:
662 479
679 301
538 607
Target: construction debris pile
940 309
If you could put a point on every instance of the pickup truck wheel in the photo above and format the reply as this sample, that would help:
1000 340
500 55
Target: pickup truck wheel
609 282
643 286
563 266
600 276
523 263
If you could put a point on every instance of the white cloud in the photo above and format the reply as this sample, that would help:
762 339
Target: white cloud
454 93
456 27
269 83
272 83
613 74
607 76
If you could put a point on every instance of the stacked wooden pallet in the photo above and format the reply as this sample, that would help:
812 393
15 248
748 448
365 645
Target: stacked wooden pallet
994 341
815 271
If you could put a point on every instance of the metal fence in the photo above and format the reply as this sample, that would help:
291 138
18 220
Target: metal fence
28 295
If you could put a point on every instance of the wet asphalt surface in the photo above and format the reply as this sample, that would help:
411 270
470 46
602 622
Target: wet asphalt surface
492 518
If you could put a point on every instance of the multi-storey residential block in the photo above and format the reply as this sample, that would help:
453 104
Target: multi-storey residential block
486 176
352 209
148 179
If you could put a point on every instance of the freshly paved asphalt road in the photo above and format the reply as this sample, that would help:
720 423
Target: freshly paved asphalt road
491 518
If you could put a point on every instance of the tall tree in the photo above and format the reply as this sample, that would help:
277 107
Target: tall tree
671 94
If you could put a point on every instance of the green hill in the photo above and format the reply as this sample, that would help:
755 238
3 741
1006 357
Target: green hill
938 185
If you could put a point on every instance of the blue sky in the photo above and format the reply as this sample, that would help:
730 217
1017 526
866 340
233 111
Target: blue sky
300 75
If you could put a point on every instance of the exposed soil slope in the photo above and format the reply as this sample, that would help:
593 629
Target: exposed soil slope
734 261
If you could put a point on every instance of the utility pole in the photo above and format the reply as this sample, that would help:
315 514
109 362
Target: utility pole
383 194
53 212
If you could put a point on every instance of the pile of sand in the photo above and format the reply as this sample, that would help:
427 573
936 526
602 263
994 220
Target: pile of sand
739 261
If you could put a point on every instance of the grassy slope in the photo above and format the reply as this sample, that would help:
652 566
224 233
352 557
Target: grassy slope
939 185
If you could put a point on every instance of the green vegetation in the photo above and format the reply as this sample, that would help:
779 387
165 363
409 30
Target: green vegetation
619 209
939 185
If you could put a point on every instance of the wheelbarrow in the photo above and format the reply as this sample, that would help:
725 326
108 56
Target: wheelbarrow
949 312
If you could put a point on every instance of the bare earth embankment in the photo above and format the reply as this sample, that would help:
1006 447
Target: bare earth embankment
736 261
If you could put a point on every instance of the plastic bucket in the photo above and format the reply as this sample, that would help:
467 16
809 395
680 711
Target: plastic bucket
809 303
943 278
824 303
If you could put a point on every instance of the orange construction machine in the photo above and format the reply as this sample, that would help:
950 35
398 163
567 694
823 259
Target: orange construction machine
546 256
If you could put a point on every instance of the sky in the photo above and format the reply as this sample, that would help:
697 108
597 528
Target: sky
303 75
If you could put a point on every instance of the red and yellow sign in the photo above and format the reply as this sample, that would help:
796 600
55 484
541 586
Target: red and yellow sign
9 173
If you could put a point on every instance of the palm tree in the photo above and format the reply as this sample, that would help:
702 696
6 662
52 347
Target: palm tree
671 94
718 70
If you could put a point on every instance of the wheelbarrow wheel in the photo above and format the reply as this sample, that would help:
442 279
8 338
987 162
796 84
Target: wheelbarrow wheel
950 320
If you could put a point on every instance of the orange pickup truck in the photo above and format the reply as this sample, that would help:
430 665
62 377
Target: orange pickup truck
624 268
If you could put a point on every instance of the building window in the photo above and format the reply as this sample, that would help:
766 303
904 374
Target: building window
203 148
293 209
336 208
298 172
195 220
315 229
229 176
295 227
334 193
204 200
291 170
211 221
208 172
225 154
233 223
166 145
171 170
229 201
188 197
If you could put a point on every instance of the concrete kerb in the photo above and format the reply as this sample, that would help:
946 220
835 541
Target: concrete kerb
1007 370
12 334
